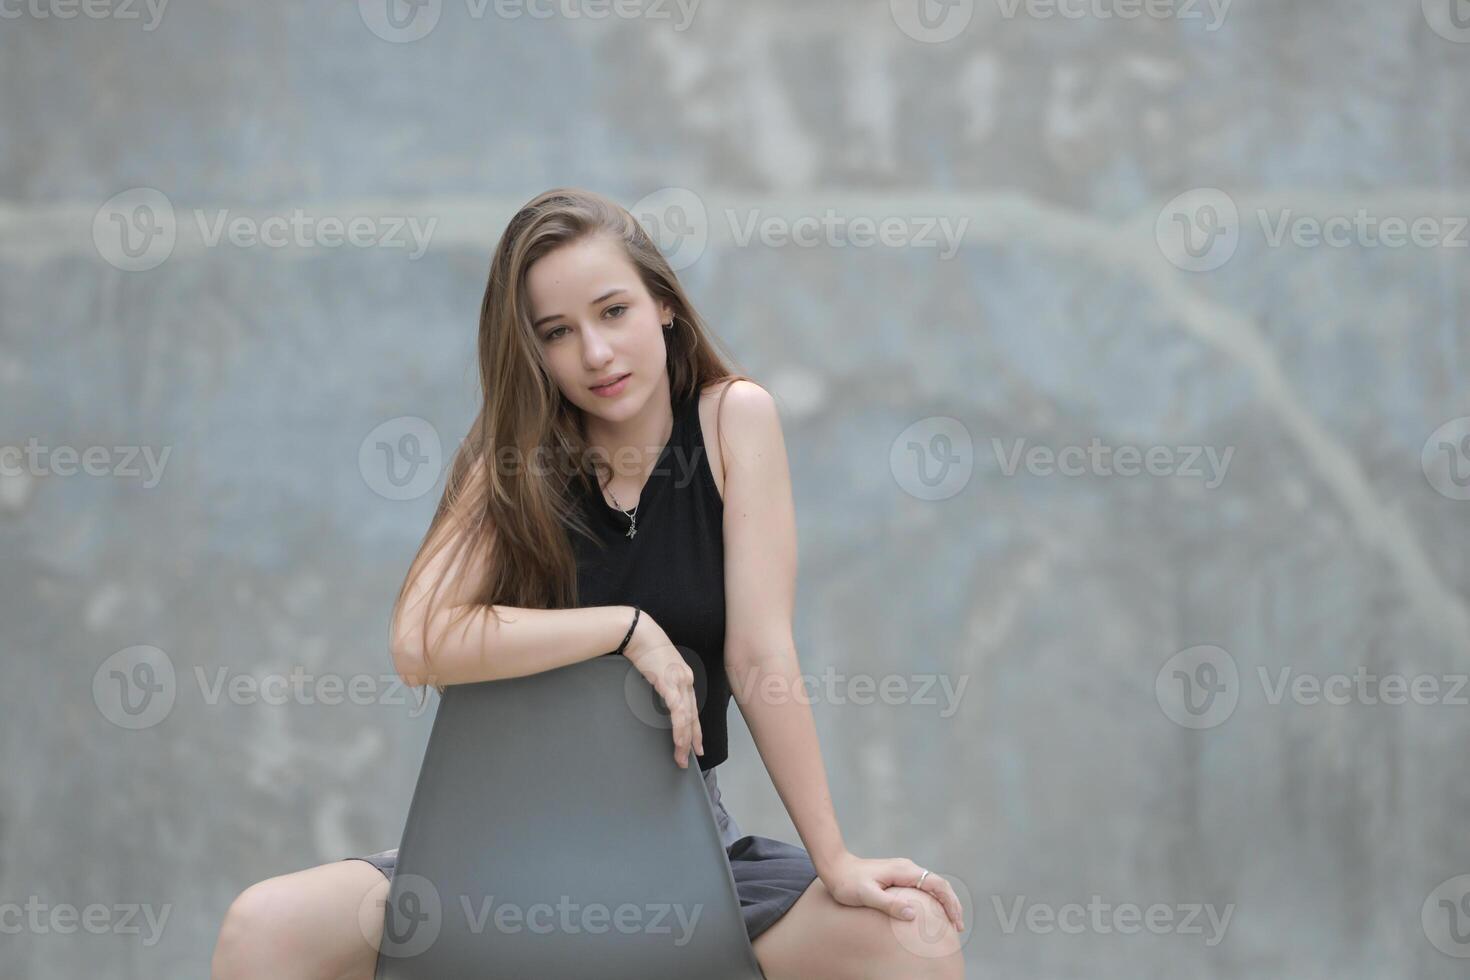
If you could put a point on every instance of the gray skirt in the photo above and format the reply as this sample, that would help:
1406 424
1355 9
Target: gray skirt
770 875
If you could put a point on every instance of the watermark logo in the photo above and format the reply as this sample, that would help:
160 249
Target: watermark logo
1198 687
413 916
833 230
678 220
138 230
1446 917
1199 230
1103 918
405 21
38 917
401 458
135 688
1194 462
1446 459
302 687
933 458
35 459
1212 12
1201 687
675 218
1450 19
135 230
932 21
90 9
400 21
930 935
1362 687
644 700
938 690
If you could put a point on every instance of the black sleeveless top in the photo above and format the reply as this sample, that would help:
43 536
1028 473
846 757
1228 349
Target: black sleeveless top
673 567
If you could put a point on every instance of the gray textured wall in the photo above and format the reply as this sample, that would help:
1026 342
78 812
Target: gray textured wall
1115 185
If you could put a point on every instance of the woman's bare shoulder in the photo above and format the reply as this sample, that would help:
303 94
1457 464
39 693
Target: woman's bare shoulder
748 411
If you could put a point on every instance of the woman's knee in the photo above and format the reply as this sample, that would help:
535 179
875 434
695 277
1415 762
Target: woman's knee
255 937
925 946
315 922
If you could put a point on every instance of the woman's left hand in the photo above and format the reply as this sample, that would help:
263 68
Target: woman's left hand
856 881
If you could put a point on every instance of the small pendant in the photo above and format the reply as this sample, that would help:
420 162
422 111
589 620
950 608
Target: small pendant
632 529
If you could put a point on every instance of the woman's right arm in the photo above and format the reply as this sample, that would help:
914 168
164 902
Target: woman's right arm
480 647
527 641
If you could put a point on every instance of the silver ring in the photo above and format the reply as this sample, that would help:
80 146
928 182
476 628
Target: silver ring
920 882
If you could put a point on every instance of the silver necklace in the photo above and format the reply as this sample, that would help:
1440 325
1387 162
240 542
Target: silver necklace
631 515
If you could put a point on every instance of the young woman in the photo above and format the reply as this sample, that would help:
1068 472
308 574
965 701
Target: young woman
583 489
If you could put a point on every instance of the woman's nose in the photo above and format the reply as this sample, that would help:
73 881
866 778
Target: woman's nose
595 349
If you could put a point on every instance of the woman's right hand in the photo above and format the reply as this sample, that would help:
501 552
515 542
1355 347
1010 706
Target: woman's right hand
654 655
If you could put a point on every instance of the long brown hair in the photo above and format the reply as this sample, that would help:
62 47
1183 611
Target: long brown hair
528 511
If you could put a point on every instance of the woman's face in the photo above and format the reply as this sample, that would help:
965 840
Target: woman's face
594 321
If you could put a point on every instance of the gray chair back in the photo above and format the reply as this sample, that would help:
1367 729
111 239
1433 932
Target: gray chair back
551 835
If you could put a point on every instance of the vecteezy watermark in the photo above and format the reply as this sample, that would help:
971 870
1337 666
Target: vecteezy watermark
833 230
1200 687
38 917
930 935
677 219
1446 459
1450 19
1363 687
137 688
414 913
138 229
34 459
404 21
1101 917
1097 459
401 459
933 458
932 21
1212 12
831 686
304 688
90 9
1200 230
1445 916
758 683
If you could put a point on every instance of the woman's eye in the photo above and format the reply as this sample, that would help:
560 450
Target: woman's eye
620 306
554 332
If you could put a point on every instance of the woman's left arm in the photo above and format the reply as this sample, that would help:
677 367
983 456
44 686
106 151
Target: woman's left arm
760 654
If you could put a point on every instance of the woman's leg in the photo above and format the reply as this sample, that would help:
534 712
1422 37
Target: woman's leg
819 938
323 923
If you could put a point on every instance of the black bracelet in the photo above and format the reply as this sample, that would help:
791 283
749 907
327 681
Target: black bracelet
624 645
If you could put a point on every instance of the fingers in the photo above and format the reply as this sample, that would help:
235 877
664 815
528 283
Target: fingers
683 735
945 892
895 905
939 888
675 685
684 719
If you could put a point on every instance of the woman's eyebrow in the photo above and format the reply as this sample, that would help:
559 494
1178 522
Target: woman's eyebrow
556 316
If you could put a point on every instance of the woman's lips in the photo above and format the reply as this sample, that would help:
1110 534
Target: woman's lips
614 389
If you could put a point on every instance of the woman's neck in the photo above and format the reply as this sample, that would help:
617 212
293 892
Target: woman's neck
632 446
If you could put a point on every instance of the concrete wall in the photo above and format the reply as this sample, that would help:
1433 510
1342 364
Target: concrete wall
1083 701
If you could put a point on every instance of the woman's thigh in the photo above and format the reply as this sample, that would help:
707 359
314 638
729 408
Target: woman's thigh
821 938
325 921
